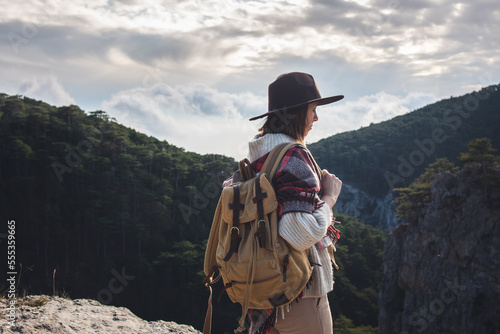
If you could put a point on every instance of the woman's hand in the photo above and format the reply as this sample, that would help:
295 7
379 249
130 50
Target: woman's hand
330 185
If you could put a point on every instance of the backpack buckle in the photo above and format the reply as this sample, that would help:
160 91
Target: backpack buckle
235 229
235 241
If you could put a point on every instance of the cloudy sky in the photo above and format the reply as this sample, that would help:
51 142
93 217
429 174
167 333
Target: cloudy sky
192 72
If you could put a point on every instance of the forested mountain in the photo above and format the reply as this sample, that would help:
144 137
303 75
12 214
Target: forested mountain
375 159
102 207
104 212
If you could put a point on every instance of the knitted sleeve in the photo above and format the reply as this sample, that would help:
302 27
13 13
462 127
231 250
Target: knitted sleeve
302 230
304 217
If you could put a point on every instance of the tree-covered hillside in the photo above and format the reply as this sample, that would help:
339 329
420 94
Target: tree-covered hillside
103 207
393 153
104 212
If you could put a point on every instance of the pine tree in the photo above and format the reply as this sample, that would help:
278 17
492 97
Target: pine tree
418 194
480 154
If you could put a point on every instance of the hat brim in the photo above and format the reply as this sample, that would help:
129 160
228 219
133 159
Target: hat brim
321 101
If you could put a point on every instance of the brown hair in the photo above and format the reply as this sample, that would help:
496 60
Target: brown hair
289 122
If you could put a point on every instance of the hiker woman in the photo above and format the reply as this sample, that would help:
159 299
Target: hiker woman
305 202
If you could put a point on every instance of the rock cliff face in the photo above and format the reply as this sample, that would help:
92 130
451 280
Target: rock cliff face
372 210
44 314
442 270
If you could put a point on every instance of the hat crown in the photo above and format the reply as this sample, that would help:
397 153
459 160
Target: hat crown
291 90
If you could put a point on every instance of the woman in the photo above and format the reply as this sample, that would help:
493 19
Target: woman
305 202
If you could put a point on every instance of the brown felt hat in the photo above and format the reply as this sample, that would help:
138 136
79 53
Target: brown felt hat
294 90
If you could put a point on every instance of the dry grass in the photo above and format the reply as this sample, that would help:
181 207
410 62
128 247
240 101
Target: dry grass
33 302
63 294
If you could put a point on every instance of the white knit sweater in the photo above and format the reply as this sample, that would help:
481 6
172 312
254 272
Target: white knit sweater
302 230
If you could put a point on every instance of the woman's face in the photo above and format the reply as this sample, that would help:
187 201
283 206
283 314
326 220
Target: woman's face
311 117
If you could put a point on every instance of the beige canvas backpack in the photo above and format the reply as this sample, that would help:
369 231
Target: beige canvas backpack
258 267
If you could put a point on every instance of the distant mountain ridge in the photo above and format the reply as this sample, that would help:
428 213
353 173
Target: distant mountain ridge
376 159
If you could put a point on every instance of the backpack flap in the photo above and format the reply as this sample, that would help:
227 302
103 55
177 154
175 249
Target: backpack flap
244 203
248 193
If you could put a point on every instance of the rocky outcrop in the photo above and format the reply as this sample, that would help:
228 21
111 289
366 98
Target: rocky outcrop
442 270
44 314
371 210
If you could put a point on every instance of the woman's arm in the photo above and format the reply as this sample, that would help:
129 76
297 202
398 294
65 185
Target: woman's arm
304 219
302 230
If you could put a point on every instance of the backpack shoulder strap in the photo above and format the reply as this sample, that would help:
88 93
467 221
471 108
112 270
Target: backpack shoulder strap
277 153
274 158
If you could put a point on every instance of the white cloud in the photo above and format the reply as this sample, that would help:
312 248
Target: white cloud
351 115
198 41
47 89
198 118
208 55
204 120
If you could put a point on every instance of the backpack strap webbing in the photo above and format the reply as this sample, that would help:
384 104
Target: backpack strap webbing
236 206
274 158
207 325
278 152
